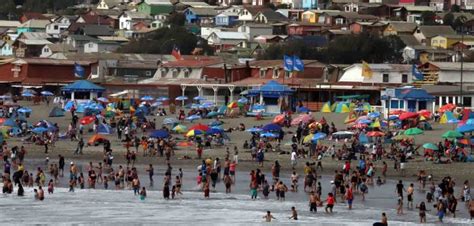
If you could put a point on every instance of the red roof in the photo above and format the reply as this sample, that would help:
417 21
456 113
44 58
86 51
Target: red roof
193 63
34 15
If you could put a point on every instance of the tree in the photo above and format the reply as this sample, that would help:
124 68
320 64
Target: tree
176 19
8 10
459 23
448 19
455 8
162 41
428 18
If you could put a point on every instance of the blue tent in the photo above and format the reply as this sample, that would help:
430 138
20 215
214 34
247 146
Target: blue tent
56 112
83 86
10 122
159 134
104 129
69 105
272 89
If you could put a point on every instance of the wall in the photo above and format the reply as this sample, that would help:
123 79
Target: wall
354 74
455 76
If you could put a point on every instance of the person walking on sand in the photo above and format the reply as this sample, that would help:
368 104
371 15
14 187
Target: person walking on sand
151 172
400 205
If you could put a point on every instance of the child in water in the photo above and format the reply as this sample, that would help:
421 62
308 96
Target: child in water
143 194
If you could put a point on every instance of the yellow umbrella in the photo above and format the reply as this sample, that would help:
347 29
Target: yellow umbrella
180 129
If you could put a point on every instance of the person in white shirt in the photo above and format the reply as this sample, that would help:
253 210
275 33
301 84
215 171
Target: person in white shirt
293 159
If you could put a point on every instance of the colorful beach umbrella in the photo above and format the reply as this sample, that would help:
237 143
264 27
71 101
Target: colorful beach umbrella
27 94
162 98
375 134
180 129
103 100
268 135
466 128
375 114
233 105
170 121
451 134
430 146
243 100
39 130
279 119
194 132
318 136
200 98
447 107
199 126
413 131
193 117
254 130
303 118
271 127
24 110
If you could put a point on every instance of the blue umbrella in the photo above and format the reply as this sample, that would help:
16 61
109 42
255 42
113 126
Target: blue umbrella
104 129
215 123
103 99
181 98
193 117
3 97
393 117
214 130
318 136
465 128
24 110
268 134
254 130
303 110
365 121
359 109
47 93
470 121
453 121
375 114
170 121
147 98
27 94
39 130
157 104
199 98
243 100
159 133
207 105
271 127
212 114
162 98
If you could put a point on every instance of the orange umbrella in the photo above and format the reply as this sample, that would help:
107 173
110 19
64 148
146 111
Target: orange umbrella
425 113
447 107
375 134
87 120
397 112
2 120
96 139
184 144
279 119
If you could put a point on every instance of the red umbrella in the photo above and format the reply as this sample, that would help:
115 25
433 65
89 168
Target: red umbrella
279 119
359 126
447 107
199 127
425 113
87 120
408 115
375 134
2 120
397 112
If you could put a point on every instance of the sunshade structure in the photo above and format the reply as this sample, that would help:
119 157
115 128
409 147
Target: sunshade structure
243 100
147 98
413 131
233 105
96 140
342 107
466 128
214 130
103 100
447 107
279 119
39 130
47 93
193 117
343 134
254 130
201 127
84 87
194 132
159 134
180 129
408 115
272 89
326 107
302 110
87 120
430 146
451 134
268 135
314 137
104 129
271 127
375 134
303 118
24 110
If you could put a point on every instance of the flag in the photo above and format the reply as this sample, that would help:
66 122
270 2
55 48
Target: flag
176 53
298 64
416 73
79 71
366 70
288 63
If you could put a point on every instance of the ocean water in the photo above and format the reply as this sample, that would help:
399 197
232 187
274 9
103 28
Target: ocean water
122 207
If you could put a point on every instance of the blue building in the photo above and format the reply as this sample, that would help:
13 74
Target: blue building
226 19
200 15
310 4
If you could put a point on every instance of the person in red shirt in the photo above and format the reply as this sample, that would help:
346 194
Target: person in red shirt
330 203
349 196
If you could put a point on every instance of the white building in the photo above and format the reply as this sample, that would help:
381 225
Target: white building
58 26
127 19
381 74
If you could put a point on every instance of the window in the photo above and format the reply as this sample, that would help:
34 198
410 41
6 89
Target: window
262 73
404 78
175 73
339 20
148 73
90 45
287 74
163 72
276 73
385 78
186 73
435 41
46 50
56 27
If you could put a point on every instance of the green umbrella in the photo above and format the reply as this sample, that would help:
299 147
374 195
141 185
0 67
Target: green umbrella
413 131
430 146
451 134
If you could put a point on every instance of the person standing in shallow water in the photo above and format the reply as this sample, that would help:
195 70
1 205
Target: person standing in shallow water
166 187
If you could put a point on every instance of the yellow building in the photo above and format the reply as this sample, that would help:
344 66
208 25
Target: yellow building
447 41
309 17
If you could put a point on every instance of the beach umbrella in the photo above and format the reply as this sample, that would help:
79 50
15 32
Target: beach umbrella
254 130
303 118
184 144
364 121
318 136
104 129
162 98
466 128
147 98
303 109
180 129
212 114
269 135
425 113
194 132
375 134
430 146
233 105
215 123
470 121
206 105
393 117
453 121
397 112
159 133
279 119
170 121
214 130
4 97
103 100
87 120
199 126
271 127
375 114
413 131
181 98
408 115
199 98
451 134
193 117
360 126
157 104
447 107
10 122
46 93
27 94
243 100
24 110
39 130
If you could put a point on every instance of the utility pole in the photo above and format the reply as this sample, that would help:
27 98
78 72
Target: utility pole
461 101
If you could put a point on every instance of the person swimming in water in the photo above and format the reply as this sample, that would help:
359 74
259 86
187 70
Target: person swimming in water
268 217
143 194
294 214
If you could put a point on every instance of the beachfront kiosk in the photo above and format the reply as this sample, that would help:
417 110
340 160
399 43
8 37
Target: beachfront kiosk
406 99
273 96
83 89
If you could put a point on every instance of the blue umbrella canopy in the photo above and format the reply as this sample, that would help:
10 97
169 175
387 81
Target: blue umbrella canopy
466 128
199 98
157 104
303 110
159 134
170 121
24 110
10 122
375 114
46 93
212 114
181 98
162 98
193 117
147 98
268 134
27 94
215 123
243 100
318 136
365 121
214 130
271 127
39 130
103 99
254 130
